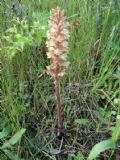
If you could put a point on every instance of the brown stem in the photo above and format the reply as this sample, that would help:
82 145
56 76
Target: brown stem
59 104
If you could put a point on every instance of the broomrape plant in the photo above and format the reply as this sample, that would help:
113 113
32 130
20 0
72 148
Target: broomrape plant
57 45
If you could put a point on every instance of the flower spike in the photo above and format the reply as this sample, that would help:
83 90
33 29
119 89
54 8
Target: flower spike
57 45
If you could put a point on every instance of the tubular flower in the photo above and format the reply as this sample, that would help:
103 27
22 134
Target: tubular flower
57 43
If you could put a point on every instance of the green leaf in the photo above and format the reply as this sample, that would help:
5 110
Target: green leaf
82 121
80 156
3 121
5 132
74 157
11 30
41 17
14 139
116 131
101 147
11 155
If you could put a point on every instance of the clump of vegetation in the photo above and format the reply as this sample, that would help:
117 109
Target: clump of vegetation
90 91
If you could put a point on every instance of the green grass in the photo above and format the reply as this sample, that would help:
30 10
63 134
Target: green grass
27 92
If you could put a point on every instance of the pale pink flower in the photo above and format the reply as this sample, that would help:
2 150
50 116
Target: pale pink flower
57 42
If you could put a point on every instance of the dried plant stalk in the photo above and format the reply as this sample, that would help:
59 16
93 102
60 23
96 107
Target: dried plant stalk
57 45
